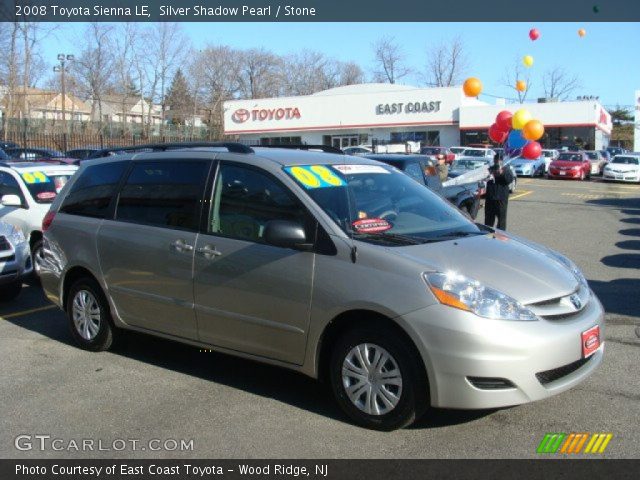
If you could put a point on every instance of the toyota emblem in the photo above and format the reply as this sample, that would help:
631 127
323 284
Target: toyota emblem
241 115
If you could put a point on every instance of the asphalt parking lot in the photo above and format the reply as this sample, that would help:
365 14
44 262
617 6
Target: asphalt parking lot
149 388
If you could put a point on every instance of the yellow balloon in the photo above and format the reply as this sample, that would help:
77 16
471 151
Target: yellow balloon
527 60
520 118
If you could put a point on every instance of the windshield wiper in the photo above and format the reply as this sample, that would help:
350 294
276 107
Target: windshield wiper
392 237
451 235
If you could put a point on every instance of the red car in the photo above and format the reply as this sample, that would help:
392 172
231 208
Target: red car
433 152
574 165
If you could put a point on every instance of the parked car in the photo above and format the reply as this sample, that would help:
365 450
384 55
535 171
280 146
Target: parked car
624 168
613 151
422 169
549 156
526 167
4 145
478 153
26 191
15 261
359 150
433 152
39 154
324 264
574 165
457 151
82 153
597 161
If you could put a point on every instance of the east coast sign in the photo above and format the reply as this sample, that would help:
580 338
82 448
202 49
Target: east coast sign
409 107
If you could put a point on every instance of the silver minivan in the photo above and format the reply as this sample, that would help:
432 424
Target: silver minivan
339 267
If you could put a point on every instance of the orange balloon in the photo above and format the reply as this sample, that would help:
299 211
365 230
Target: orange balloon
472 87
533 130
582 32
521 85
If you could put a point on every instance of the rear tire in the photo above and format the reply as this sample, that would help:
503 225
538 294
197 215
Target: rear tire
393 390
36 257
89 315
10 291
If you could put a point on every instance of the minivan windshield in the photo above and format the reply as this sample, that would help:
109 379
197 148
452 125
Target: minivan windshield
379 204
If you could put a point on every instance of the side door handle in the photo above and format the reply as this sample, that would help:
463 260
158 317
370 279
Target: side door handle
208 251
181 246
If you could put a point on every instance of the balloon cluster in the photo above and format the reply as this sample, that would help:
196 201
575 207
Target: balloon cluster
518 132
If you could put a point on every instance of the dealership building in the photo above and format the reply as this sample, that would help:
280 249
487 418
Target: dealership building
365 114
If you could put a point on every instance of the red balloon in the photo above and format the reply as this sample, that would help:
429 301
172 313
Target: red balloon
496 134
532 150
534 34
503 120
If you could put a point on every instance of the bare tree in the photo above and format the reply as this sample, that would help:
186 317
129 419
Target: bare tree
389 60
260 73
351 74
122 45
560 84
93 68
446 64
514 73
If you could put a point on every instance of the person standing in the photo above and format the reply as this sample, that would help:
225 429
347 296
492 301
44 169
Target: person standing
442 168
497 196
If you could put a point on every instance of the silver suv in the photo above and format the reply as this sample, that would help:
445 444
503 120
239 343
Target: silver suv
338 267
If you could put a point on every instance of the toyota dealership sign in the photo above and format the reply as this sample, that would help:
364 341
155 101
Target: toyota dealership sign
242 115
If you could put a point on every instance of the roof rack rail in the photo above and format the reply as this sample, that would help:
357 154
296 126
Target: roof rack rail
295 146
232 147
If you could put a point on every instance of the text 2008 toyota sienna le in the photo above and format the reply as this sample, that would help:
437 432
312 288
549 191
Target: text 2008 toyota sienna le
338 267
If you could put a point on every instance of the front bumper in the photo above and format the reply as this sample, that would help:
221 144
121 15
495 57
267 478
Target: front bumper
15 264
621 176
564 173
457 345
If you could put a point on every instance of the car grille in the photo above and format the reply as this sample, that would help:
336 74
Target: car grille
562 307
549 376
4 244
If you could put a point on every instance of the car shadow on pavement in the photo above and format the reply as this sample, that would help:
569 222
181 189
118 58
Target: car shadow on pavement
619 296
252 377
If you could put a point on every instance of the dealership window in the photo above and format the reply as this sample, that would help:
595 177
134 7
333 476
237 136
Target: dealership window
431 137
281 141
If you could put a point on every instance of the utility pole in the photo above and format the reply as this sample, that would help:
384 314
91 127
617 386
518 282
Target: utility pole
62 68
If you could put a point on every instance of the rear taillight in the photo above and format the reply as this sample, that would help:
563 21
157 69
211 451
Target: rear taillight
47 220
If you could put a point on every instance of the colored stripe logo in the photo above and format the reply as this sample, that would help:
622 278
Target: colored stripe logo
573 443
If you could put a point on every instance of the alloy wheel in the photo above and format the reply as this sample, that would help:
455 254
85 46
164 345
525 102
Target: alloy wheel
86 314
372 379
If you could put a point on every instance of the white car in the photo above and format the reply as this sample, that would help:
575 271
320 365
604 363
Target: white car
623 168
549 156
457 151
477 153
26 191
15 261
359 150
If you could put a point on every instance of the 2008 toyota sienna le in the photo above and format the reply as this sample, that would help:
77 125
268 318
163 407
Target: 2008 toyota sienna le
339 267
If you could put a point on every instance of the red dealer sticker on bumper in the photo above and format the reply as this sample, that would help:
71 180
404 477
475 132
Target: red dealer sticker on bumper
590 341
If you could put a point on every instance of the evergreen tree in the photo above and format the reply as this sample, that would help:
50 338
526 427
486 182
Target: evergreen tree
179 100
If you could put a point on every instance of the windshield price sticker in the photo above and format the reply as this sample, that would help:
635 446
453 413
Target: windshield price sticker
356 169
371 225
35 177
315 176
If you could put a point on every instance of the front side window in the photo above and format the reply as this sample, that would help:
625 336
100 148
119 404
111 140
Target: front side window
245 199
379 204
9 186
92 192
164 194
413 170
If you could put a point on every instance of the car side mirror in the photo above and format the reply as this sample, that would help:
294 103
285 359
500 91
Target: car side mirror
286 234
11 201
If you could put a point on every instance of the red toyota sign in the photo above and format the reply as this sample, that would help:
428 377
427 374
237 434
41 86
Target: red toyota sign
241 115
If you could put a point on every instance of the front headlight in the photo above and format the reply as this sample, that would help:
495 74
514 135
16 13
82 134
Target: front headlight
458 291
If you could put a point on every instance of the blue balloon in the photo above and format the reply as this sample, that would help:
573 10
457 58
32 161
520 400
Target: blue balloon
516 140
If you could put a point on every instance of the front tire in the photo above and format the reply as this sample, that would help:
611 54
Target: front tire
377 378
89 316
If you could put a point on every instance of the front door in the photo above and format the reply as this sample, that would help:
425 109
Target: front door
250 296
147 252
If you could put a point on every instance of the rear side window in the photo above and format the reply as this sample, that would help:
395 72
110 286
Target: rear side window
92 192
164 194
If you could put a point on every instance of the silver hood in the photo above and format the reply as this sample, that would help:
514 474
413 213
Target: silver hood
524 271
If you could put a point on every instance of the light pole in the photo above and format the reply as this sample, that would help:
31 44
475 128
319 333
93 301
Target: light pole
62 68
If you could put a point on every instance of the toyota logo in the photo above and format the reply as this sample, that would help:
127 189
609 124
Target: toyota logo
575 300
241 115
